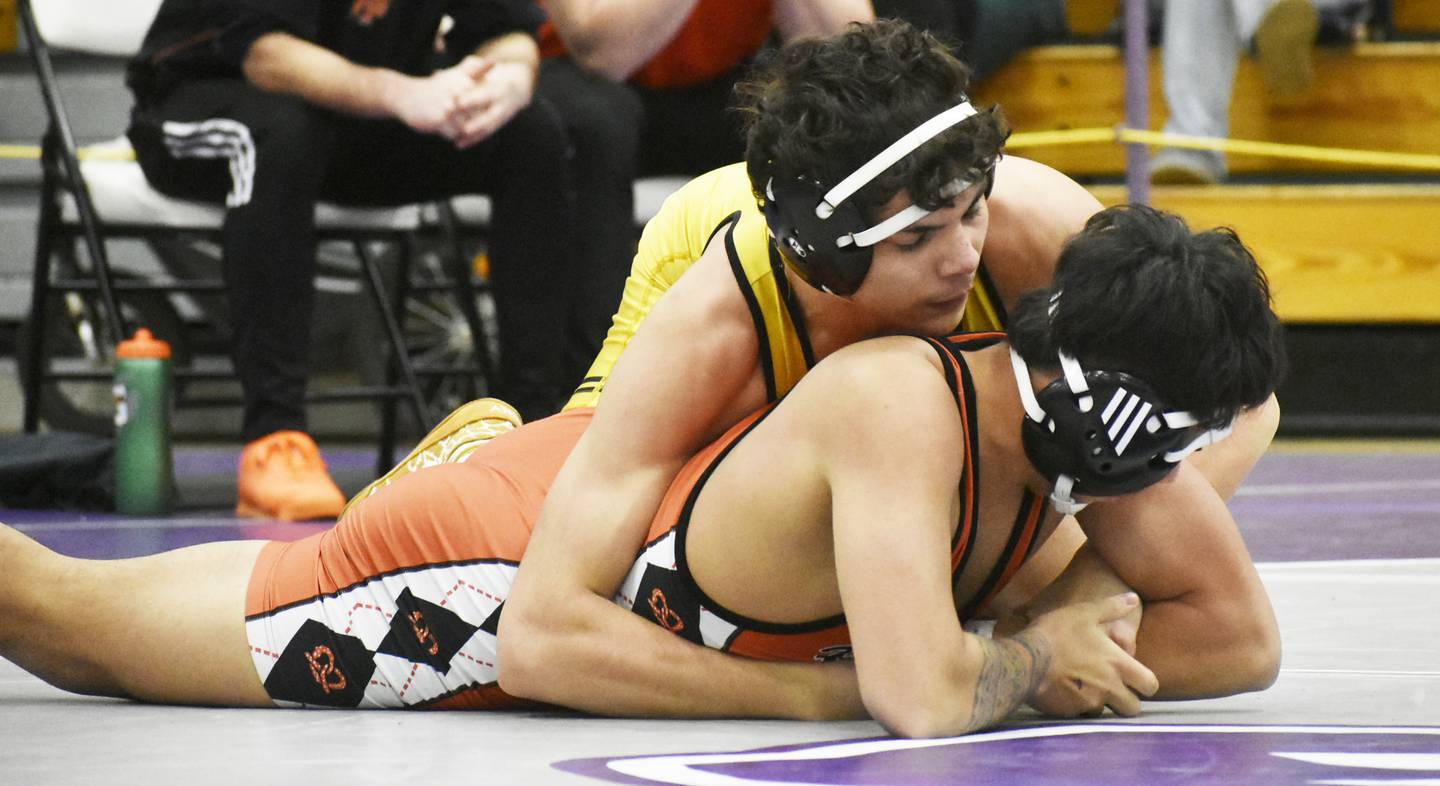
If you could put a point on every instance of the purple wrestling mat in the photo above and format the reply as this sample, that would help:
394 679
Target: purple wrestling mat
1332 503
1348 535
1114 754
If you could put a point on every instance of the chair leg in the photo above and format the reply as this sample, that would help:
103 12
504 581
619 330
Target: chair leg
35 360
385 454
61 165
462 282
458 269
400 357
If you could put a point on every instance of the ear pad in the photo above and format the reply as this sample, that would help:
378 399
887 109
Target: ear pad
1115 448
807 242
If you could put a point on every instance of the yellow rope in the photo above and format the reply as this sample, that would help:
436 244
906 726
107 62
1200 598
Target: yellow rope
19 151
1079 136
86 153
1019 141
1086 136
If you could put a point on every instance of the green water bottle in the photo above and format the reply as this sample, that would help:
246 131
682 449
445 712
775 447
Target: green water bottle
143 479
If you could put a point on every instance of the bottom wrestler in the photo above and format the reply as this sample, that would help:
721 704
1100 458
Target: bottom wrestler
844 534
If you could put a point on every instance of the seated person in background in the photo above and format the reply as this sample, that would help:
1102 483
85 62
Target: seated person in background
849 522
270 106
1202 44
644 88
722 314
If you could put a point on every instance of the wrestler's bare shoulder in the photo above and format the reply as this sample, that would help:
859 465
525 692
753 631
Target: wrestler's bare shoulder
1033 210
863 378
1029 187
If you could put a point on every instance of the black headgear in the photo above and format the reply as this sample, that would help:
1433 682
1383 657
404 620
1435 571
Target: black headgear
1101 433
827 240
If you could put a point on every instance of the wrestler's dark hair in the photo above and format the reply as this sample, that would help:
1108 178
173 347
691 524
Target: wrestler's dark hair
819 108
1188 312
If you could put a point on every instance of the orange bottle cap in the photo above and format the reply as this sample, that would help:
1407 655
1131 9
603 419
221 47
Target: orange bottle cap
143 345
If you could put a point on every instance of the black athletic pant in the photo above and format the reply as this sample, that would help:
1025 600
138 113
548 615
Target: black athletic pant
620 132
272 157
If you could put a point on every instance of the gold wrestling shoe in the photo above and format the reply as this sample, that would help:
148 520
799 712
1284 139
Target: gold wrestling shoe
457 436
1283 45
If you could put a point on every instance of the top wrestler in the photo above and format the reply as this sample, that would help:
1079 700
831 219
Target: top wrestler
716 320
854 516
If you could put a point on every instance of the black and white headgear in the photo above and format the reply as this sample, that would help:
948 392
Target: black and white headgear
826 239
1102 433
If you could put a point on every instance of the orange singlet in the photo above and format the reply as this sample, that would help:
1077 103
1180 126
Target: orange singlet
660 587
399 604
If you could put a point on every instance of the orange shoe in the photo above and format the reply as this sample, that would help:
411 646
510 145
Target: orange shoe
283 477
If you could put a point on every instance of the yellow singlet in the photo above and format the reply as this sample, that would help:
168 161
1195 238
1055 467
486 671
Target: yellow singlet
720 204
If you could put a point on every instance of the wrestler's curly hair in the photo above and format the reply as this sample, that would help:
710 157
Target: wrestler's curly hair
1188 312
820 107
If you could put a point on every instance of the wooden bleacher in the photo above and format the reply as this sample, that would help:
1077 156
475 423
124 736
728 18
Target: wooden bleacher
1353 254
1415 17
1373 96
1089 18
1337 254
1355 268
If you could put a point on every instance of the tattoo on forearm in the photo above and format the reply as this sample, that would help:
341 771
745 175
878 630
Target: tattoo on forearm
1011 670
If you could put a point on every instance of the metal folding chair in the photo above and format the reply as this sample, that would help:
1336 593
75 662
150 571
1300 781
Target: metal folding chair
98 193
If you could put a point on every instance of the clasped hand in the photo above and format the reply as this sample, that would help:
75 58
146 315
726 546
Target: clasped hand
469 101
1092 659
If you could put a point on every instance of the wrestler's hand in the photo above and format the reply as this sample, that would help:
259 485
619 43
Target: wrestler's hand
1088 669
1087 577
503 90
1126 630
432 104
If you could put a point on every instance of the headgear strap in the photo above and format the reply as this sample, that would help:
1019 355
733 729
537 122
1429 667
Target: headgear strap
882 161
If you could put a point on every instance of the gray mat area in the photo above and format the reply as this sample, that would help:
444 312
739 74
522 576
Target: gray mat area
1354 571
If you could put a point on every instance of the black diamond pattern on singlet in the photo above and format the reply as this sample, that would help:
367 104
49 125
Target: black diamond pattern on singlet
320 666
491 625
422 632
664 600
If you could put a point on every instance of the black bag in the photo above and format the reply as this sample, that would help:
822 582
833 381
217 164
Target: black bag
57 470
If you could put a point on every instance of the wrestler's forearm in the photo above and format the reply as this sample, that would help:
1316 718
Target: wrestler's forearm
1208 628
1205 649
615 38
1011 672
281 63
601 658
808 18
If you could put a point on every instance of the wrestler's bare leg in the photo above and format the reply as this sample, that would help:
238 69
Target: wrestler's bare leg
166 628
